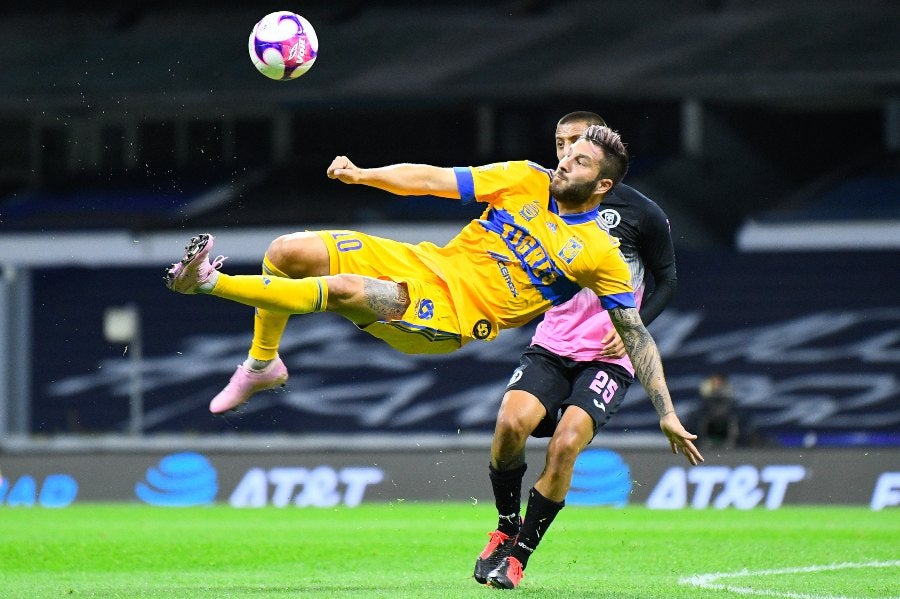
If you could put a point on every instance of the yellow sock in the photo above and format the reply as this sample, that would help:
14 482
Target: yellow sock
268 326
288 296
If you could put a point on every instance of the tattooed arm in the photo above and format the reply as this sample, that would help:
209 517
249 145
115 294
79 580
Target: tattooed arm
649 370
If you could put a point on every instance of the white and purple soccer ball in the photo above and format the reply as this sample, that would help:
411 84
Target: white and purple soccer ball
283 45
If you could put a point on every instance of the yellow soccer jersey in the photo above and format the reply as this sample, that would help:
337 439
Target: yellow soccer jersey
521 257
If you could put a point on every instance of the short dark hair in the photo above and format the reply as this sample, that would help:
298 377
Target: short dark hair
582 116
615 162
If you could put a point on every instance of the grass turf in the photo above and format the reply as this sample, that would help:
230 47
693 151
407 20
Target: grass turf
404 549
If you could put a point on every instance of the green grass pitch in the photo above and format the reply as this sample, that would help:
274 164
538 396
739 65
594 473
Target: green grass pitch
407 549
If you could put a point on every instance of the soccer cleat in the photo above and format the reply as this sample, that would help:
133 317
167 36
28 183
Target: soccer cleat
245 382
507 575
500 546
194 269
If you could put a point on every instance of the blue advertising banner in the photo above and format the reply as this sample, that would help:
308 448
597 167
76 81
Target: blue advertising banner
744 478
810 343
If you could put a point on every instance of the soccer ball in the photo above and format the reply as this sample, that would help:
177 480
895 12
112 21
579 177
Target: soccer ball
283 45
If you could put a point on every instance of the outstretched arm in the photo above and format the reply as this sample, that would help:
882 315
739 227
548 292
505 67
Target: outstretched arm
400 179
648 366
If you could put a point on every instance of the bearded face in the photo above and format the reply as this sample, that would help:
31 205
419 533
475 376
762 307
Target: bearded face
569 193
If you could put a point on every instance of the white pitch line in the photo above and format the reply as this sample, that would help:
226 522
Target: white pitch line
709 581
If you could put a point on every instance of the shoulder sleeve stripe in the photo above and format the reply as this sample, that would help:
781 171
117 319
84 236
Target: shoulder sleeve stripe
465 183
540 168
618 300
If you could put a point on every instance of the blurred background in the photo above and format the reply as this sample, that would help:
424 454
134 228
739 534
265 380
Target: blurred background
768 131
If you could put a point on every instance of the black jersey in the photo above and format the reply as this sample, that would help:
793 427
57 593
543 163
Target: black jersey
643 230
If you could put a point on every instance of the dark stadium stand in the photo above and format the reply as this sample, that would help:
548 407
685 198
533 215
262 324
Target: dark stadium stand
152 92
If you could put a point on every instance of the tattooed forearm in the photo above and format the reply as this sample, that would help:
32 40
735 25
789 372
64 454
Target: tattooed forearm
644 356
387 299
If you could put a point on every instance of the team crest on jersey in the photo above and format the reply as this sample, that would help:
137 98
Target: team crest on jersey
529 211
609 218
570 250
426 309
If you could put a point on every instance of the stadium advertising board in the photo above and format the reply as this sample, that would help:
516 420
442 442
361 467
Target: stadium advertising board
738 479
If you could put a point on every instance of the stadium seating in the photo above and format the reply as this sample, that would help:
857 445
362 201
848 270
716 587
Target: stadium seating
85 107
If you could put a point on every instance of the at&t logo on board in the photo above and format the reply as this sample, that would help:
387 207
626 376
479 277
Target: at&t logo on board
180 479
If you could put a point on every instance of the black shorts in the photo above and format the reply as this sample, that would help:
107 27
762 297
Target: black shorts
598 388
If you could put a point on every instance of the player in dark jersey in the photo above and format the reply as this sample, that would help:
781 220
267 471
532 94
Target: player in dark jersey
571 379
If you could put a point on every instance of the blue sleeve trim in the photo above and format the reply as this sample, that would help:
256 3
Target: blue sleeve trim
465 183
538 167
618 300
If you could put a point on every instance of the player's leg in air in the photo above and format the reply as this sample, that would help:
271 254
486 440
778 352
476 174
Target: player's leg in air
295 281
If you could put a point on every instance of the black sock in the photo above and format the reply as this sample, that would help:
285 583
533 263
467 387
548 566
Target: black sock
507 486
538 517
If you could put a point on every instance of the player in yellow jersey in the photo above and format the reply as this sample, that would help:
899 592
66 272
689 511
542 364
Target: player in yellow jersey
535 246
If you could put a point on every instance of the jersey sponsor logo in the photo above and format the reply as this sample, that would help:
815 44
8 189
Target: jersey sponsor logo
482 329
530 253
570 250
527 250
504 271
609 218
425 309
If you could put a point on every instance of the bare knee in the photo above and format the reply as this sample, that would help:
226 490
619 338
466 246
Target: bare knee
299 255
520 412
513 423
508 444
565 445
574 431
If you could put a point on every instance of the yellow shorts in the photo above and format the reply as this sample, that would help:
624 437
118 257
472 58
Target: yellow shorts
430 324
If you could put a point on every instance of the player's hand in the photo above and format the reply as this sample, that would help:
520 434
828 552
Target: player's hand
343 170
613 347
679 438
